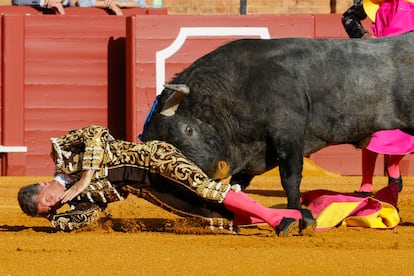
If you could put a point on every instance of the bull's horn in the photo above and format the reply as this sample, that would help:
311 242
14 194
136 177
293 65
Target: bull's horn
172 103
181 88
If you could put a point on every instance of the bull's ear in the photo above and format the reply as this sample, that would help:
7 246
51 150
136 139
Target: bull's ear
179 92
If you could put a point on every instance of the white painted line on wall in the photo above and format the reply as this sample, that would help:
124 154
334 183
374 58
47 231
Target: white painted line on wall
162 55
13 148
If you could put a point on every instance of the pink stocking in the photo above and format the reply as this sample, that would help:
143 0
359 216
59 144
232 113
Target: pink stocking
248 211
368 167
241 220
393 167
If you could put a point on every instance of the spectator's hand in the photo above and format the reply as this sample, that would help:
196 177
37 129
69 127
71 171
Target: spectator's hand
113 6
55 5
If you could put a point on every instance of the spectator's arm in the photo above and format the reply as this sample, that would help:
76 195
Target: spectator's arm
110 4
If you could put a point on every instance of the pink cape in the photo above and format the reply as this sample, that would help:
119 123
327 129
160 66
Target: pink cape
391 142
332 209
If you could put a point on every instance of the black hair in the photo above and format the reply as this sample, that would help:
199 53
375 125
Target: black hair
27 198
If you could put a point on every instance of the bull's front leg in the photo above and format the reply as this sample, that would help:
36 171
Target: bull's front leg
291 176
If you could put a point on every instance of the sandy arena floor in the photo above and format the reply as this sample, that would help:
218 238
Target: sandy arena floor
141 239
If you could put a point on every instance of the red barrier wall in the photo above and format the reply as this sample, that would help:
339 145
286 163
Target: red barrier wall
87 67
59 73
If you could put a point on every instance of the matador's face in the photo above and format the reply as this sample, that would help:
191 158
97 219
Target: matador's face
49 197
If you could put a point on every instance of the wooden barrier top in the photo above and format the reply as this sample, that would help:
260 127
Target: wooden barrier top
27 10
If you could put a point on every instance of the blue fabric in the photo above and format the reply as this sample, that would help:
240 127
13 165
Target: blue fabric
141 3
86 3
26 2
91 3
154 106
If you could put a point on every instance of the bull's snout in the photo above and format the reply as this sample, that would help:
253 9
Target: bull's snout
222 170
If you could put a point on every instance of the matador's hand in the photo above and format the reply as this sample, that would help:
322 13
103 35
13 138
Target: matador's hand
367 36
73 191
78 187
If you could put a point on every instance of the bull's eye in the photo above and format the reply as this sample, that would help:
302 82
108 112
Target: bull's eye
189 131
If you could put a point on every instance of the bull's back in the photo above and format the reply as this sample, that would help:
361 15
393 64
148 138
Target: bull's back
310 61
345 84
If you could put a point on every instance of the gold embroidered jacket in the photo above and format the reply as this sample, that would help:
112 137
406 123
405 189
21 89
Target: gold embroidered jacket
93 148
122 167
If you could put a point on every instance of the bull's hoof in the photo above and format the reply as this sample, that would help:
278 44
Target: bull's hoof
398 180
288 227
307 223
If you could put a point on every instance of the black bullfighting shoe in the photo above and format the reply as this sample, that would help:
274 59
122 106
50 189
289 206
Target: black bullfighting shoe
398 180
288 227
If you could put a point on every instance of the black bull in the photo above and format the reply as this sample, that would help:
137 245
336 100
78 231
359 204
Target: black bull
252 104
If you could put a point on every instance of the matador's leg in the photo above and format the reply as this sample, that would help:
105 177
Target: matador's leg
171 172
167 161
